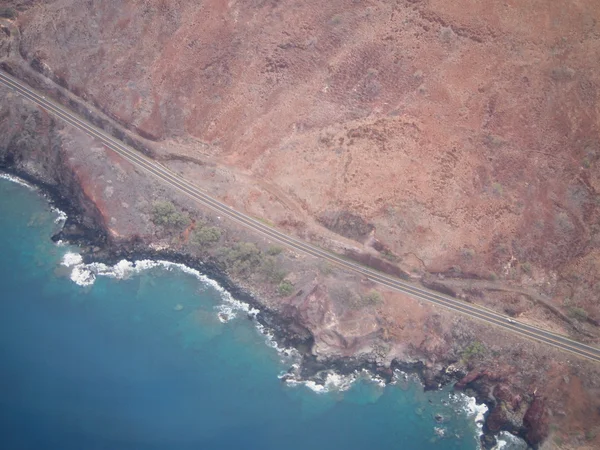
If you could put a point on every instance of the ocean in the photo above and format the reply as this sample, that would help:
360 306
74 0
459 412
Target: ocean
154 356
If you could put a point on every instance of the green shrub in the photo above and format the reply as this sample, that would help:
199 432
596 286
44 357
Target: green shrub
590 435
343 295
493 141
166 215
373 298
526 267
205 236
8 13
354 300
387 254
473 350
274 250
285 288
578 313
498 189
468 253
272 270
326 268
241 259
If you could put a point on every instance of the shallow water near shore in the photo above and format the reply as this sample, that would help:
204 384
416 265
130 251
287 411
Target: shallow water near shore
155 359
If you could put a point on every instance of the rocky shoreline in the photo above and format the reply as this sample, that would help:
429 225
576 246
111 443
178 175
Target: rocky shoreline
91 236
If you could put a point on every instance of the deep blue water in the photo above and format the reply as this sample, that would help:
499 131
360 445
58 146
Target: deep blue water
117 365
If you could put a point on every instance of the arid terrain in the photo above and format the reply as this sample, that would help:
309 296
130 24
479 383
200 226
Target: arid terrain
455 141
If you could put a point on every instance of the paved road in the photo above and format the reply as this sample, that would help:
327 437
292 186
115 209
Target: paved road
179 183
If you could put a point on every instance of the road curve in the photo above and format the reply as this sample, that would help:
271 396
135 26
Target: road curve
167 176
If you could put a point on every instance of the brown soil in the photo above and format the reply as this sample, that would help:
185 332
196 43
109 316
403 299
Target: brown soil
445 137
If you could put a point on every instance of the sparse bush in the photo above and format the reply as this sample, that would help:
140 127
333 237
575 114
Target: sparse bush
205 236
473 350
468 253
285 288
387 254
526 267
241 259
493 141
326 268
166 215
274 250
590 435
564 223
562 73
372 298
353 300
335 20
498 189
8 13
272 271
343 295
578 313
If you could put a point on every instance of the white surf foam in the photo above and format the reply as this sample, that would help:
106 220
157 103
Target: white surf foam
17 180
61 215
509 441
86 274
332 381
71 259
477 412
81 276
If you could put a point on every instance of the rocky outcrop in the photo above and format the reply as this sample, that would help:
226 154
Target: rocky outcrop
519 413
536 421
31 147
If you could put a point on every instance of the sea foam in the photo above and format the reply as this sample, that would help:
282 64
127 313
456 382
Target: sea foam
17 180
86 274
474 410
509 441
61 215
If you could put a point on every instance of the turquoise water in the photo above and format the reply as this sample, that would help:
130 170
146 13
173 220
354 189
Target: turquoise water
145 363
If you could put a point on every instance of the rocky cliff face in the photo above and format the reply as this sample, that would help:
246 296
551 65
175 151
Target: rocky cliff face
31 147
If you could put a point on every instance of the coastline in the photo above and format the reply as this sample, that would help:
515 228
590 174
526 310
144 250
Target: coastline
318 374
390 158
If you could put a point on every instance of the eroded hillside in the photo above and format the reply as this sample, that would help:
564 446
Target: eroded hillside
442 136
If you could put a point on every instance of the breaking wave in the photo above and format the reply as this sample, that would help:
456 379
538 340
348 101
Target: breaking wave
86 274
509 441
477 411
61 215
17 180
327 381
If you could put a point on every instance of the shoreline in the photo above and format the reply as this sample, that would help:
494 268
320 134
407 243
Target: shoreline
97 248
